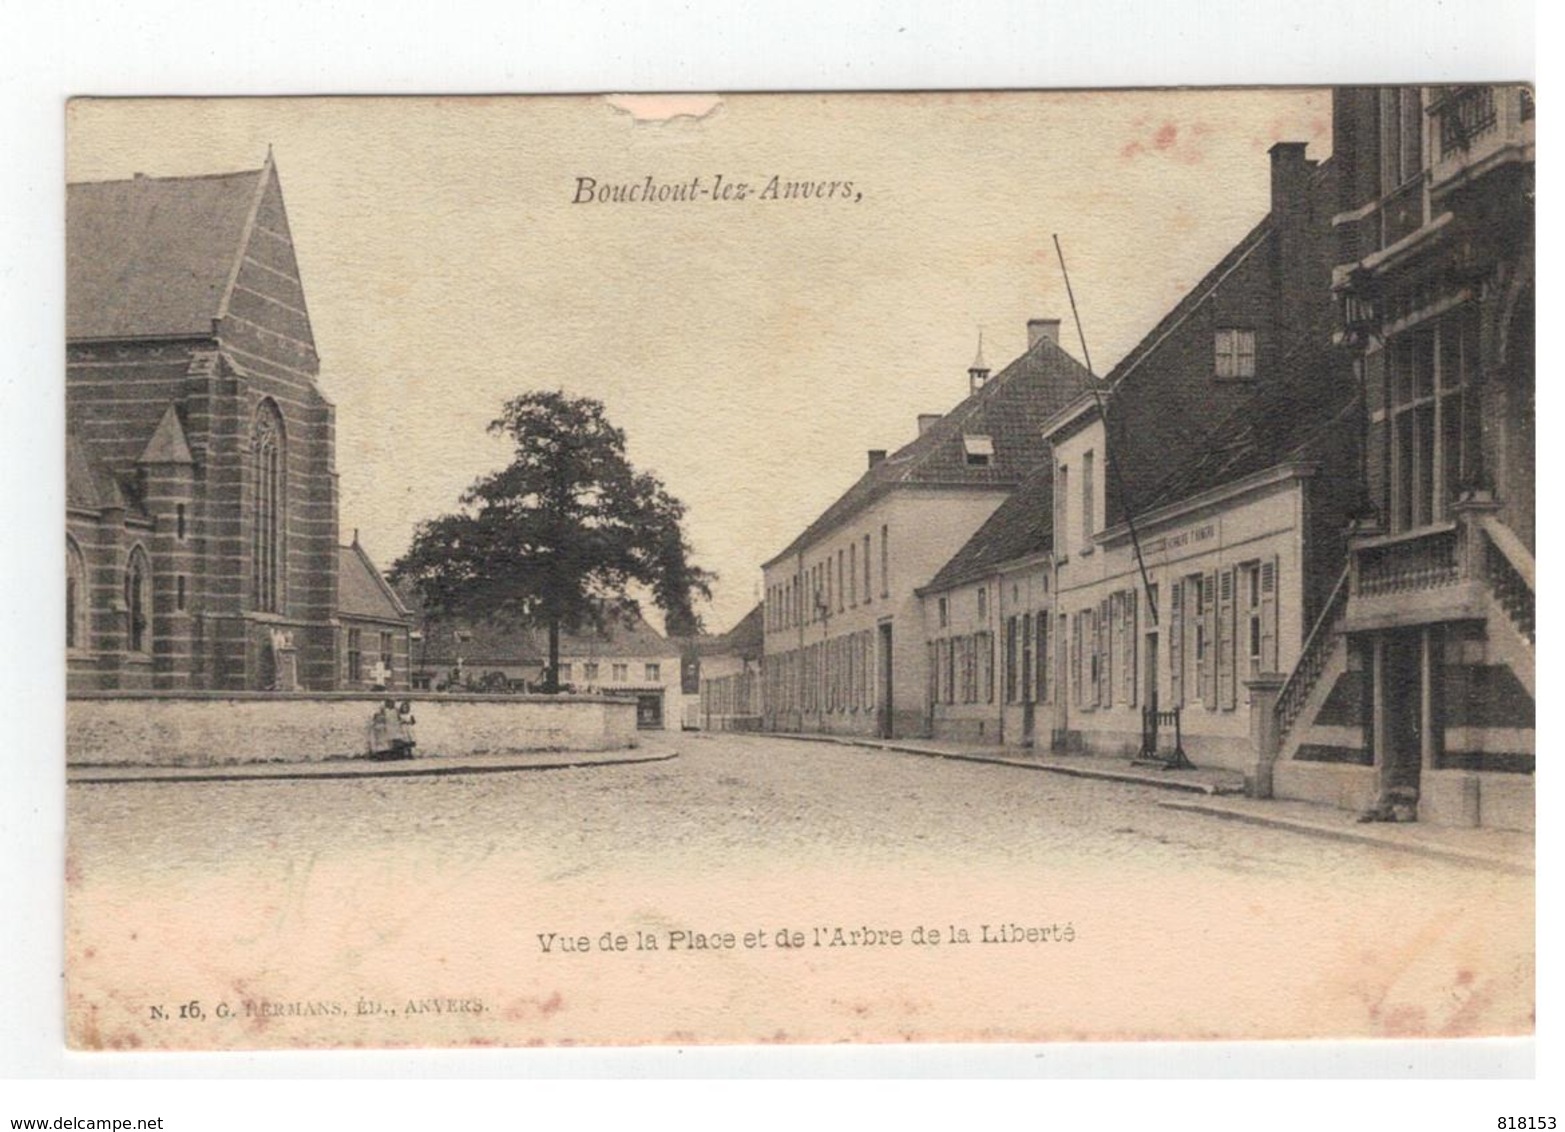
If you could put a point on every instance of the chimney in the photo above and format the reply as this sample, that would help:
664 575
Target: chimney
925 420
1042 328
1290 176
876 455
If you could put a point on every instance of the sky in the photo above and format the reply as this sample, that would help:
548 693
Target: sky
753 350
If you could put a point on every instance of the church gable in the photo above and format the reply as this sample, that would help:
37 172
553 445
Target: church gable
263 312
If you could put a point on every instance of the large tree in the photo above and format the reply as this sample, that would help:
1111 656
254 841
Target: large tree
560 539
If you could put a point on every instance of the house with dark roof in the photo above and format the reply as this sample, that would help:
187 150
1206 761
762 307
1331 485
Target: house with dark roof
845 650
730 675
1200 501
986 624
625 656
201 489
376 628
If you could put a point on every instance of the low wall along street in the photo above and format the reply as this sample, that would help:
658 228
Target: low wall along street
215 729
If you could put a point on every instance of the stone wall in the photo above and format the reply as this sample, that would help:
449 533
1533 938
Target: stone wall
209 729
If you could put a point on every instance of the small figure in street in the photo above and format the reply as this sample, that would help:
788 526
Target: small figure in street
391 732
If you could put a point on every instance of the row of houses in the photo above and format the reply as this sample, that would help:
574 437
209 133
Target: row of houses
1295 520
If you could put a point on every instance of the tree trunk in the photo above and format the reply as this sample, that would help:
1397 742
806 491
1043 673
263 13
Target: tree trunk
551 679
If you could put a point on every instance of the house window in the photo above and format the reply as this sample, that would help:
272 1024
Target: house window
866 570
621 673
983 603
589 671
842 590
136 574
179 593
1431 420
565 672
75 597
853 574
1235 353
355 656
885 561
268 492
1088 525
179 521
944 612
386 658
1401 136
654 673
979 450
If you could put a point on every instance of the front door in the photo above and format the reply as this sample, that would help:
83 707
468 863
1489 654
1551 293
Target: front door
885 682
1402 681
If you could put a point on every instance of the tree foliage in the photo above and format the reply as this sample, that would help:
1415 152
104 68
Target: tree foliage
561 537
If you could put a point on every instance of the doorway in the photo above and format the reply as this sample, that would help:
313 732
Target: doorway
1405 718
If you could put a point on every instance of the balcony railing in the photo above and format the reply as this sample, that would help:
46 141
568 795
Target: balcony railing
1312 659
1465 115
1418 562
1474 128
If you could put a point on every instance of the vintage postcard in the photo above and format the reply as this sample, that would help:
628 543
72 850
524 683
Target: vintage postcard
994 567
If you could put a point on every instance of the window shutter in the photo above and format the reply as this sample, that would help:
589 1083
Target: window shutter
1209 659
1176 644
1073 661
1106 664
1105 647
1269 615
1227 650
1133 632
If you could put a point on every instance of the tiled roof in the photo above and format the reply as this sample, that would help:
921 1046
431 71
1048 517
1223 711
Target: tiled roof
1010 408
362 591
152 256
1285 420
1128 365
496 643
744 639
1023 525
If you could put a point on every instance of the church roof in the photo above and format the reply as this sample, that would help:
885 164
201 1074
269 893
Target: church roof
362 591
153 256
1010 409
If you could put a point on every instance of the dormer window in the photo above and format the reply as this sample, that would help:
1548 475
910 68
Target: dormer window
979 450
1235 353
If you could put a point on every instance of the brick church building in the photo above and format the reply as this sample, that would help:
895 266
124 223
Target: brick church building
201 489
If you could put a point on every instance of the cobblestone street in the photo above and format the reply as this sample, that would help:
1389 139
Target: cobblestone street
1187 926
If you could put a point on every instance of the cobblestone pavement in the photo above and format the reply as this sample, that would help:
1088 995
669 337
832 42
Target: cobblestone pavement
1186 926
725 799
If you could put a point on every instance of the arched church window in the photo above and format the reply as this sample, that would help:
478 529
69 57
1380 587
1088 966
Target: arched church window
76 599
137 600
269 477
